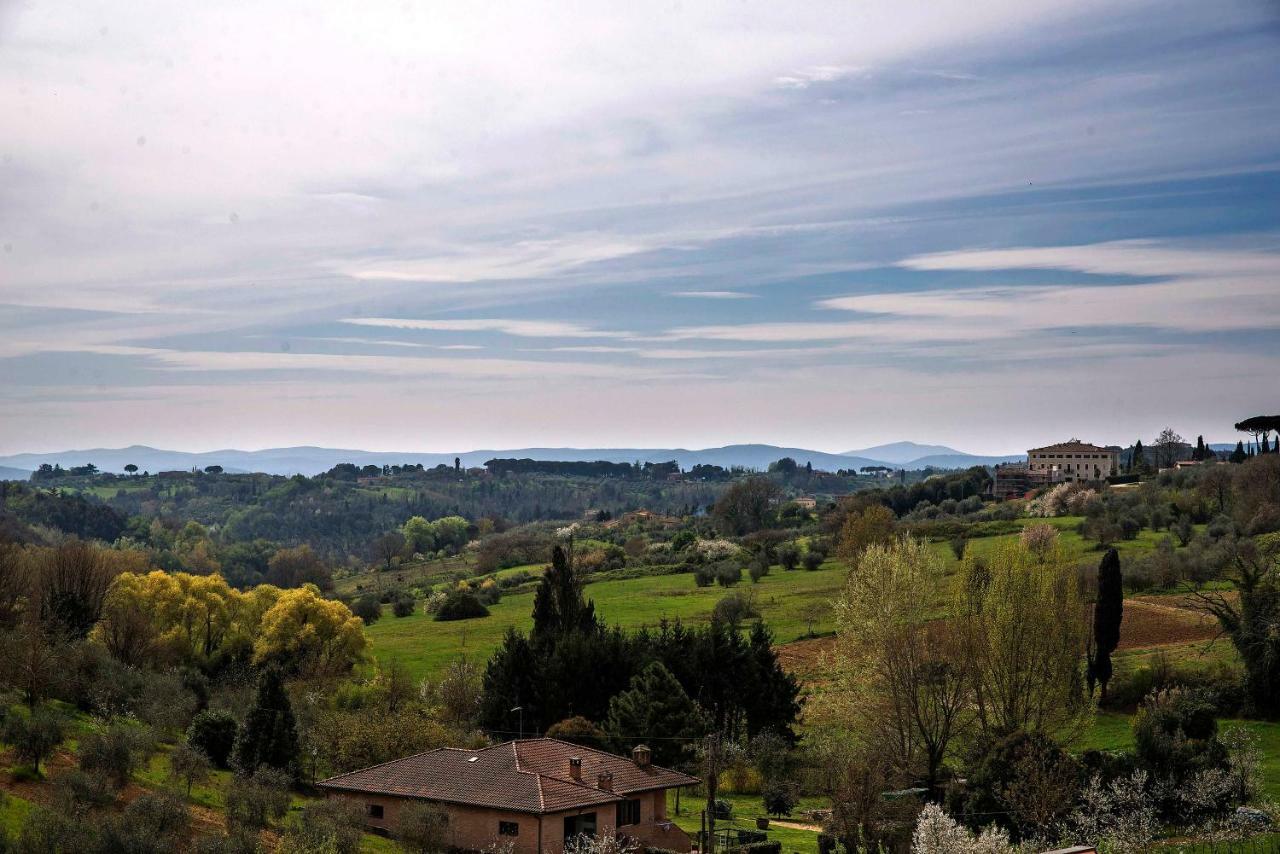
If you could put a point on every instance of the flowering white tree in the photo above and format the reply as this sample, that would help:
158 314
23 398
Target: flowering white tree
938 833
584 844
1121 814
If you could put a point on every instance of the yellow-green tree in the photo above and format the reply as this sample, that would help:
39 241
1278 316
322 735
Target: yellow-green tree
307 634
1023 622
903 676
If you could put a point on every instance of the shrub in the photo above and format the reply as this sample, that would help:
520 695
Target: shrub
461 605
49 830
1025 781
735 608
759 567
422 828
812 559
1221 681
704 576
213 733
367 608
1175 734
728 574
779 798
403 605
332 826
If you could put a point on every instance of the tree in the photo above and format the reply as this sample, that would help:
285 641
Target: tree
419 534
188 765
35 735
306 634
875 525
1138 461
1259 426
213 733
579 730
1252 619
131 468
788 555
33 660
903 675
367 608
1108 612
269 736
558 603
254 801
1238 455
298 566
459 692
1168 446
1201 452
656 709
748 505
1022 618
74 579
213 469
115 752
387 547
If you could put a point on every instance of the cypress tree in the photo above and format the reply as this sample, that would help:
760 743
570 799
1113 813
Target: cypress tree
1108 611
1201 451
1238 455
1137 461
269 736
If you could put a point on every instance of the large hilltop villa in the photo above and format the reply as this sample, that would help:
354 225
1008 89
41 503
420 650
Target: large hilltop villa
533 793
1069 461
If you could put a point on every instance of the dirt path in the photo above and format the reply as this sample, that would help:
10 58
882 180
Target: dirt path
795 825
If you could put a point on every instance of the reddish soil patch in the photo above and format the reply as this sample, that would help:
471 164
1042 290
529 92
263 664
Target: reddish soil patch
803 659
1161 620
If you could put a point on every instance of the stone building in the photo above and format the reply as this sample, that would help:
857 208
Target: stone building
1074 460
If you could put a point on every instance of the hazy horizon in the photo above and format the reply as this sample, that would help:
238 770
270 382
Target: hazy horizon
989 226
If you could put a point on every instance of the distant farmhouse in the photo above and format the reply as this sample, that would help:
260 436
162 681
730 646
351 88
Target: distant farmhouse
535 793
1064 462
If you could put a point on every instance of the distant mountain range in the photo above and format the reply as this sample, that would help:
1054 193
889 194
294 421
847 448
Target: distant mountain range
311 460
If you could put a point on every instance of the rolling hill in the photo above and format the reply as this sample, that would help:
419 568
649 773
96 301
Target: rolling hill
308 460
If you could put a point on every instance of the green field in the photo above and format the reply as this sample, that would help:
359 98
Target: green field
423 646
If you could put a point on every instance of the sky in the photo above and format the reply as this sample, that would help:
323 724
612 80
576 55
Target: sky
444 226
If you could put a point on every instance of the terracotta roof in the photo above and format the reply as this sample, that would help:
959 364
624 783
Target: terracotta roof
1073 446
530 775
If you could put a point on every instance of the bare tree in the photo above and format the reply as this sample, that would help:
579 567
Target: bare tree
1168 445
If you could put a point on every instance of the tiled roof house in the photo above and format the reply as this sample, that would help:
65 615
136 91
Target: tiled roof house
534 793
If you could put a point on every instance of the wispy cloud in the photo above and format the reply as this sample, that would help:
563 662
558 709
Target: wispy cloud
507 326
713 294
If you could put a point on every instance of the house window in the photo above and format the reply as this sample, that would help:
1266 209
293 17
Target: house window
508 828
375 810
580 825
629 812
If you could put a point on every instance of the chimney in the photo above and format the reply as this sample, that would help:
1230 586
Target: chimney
641 755
605 781
575 767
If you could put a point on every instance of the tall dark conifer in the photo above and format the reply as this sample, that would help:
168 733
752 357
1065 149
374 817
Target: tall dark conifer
1108 611
269 735
1137 462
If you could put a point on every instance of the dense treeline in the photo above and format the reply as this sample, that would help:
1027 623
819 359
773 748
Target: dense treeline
571 665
